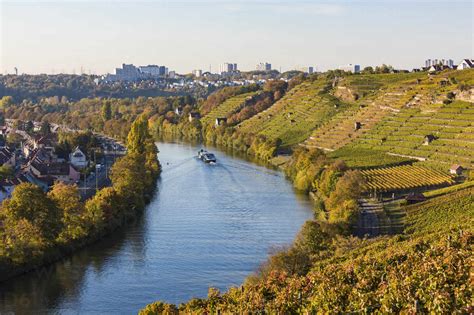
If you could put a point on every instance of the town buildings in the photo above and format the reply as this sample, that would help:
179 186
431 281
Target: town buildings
264 66
442 62
129 72
227 68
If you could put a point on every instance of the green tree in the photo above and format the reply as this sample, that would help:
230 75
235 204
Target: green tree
45 128
6 102
67 199
104 210
138 135
29 127
6 172
29 202
107 111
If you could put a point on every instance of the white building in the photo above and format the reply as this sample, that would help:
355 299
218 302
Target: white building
197 73
350 68
264 66
78 159
466 64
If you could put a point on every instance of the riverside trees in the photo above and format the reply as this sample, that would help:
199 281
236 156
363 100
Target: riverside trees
38 227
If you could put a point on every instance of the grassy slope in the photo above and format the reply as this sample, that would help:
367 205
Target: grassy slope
378 96
293 118
227 108
398 118
426 269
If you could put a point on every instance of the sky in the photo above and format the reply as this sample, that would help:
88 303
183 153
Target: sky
97 36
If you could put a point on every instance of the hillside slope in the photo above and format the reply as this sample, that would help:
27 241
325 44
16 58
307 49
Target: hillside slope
427 269
293 118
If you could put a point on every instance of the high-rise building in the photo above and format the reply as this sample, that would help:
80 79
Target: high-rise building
197 73
228 67
264 66
150 70
163 71
350 68
435 62
127 73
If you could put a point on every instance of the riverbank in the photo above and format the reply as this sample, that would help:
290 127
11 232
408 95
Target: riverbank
208 225
58 223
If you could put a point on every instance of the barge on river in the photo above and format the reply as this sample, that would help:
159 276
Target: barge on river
206 157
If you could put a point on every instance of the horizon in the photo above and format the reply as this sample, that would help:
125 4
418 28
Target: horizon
98 36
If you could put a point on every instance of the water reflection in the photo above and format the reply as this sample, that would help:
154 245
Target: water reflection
209 225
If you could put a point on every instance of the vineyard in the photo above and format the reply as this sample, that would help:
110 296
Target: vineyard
451 127
296 115
426 270
404 177
367 112
228 107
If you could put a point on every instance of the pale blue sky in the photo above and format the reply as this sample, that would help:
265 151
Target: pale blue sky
63 36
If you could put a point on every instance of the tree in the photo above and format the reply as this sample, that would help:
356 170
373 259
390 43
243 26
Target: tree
6 102
107 111
138 135
66 198
104 210
45 128
29 202
6 172
29 127
368 70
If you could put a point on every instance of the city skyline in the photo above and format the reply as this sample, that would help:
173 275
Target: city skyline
96 36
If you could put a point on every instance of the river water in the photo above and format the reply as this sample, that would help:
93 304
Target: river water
209 225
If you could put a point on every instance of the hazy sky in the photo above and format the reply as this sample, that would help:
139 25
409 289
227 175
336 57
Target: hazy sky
63 36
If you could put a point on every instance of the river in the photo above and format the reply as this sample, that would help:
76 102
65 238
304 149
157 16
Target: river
209 225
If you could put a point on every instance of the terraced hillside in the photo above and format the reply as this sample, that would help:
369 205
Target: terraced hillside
442 133
296 115
228 107
404 177
376 96
396 120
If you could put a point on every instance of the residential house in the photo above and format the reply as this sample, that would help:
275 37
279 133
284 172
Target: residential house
7 157
466 64
55 171
3 131
8 185
436 68
178 111
78 159
45 142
